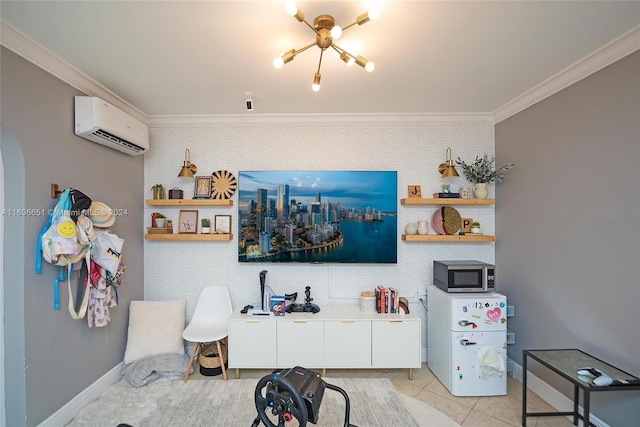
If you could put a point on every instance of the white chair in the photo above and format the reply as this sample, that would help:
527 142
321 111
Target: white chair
210 322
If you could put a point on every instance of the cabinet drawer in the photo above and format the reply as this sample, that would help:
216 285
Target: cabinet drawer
395 344
300 343
252 343
347 344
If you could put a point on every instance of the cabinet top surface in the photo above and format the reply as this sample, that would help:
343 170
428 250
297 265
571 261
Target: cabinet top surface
329 313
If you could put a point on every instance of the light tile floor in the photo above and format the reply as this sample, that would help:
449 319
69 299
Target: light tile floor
489 411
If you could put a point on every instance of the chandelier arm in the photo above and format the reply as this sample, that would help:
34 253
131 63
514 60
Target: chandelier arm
349 26
337 49
320 61
305 48
341 50
310 26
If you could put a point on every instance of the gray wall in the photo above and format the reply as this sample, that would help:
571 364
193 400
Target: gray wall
568 226
50 358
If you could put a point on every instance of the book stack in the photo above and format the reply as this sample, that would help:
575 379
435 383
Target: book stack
387 300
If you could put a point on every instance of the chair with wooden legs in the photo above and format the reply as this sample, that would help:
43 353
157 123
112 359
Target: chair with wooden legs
210 322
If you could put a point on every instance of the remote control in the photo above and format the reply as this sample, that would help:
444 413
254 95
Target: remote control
626 382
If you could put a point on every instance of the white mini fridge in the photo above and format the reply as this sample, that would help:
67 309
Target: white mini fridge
467 341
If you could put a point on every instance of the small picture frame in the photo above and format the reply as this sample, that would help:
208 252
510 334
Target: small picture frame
222 224
188 222
414 191
202 187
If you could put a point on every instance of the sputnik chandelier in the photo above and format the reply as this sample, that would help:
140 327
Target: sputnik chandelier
326 34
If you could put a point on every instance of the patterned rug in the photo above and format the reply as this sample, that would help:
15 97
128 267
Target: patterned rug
170 402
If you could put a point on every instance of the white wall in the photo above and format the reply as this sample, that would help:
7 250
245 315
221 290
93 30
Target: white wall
413 149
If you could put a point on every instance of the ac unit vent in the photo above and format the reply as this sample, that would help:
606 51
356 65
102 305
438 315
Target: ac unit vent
122 142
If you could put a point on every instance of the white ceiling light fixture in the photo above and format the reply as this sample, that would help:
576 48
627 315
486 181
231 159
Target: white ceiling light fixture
326 33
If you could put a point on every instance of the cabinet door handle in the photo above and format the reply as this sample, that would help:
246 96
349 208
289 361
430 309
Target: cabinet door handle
467 342
253 321
299 321
347 321
395 321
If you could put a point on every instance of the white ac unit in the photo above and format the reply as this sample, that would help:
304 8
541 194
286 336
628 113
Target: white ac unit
101 122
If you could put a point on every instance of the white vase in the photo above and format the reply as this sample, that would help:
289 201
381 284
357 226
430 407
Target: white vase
475 230
423 227
205 230
161 222
480 190
411 228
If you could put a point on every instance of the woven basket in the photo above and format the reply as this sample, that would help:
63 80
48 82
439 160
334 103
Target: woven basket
209 359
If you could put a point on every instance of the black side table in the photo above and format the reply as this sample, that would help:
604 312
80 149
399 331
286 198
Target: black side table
565 363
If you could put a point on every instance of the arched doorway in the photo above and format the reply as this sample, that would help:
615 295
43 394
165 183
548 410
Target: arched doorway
12 327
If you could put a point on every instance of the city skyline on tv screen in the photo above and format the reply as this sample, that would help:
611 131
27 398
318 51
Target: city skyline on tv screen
317 216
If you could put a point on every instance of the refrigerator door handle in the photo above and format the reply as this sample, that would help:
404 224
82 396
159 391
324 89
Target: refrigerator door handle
467 342
464 323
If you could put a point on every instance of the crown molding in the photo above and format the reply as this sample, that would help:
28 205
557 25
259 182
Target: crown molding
21 44
613 51
251 119
26 47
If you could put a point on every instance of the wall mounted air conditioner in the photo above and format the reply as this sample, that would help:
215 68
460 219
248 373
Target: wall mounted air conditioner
101 122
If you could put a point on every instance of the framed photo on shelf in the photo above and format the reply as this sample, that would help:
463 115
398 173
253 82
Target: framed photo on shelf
222 224
188 222
202 187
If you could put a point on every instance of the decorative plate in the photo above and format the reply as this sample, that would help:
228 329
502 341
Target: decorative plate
446 220
223 185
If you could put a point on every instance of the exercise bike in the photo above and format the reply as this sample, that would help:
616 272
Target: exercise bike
294 393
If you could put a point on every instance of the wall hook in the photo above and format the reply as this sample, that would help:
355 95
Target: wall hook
55 193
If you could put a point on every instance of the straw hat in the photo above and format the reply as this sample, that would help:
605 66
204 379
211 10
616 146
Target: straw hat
101 215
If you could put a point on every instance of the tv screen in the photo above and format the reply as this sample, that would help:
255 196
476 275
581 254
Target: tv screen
317 216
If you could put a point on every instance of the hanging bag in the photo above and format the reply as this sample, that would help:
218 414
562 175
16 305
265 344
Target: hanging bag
108 251
64 244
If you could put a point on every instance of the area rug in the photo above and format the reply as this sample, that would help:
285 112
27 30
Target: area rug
170 402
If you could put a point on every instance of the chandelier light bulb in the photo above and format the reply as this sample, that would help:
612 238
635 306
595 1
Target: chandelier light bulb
316 82
291 8
374 13
336 32
370 66
347 59
278 62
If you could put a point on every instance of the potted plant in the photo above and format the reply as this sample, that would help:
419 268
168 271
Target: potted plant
481 173
206 225
158 191
169 224
161 220
475 227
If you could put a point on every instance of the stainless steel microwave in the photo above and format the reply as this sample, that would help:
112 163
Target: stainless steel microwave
464 276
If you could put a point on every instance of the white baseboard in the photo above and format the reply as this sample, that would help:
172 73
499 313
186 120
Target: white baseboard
552 396
65 414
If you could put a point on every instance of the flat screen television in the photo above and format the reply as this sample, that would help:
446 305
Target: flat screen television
317 216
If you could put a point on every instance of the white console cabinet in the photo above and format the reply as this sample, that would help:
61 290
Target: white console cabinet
336 337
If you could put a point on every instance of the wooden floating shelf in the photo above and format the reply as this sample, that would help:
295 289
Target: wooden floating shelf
178 236
189 202
444 201
443 238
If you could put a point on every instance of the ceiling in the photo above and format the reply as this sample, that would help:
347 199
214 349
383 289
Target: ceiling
176 58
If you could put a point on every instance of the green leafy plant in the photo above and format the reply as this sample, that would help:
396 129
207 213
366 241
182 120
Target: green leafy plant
160 216
482 170
475 224
206 222
157 187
